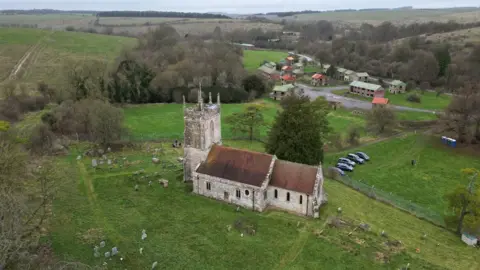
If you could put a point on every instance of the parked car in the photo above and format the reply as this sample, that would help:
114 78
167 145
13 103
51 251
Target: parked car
363 156
344 167
355 158
342 173
347 161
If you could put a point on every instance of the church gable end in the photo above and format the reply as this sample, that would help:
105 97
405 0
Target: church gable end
236 165
294 176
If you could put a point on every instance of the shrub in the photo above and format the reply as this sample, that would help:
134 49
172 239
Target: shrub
41 140
353 136
70 28
414 98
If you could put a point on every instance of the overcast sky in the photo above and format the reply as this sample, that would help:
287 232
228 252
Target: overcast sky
241 6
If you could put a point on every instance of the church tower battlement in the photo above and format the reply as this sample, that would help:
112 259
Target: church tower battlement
202 129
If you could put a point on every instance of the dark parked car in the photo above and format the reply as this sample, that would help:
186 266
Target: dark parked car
344 167
347 161
342 173
363 156
355 158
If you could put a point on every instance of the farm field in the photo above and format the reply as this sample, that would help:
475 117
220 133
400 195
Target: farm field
92 206
253 59
50 21
51 52
376 17
429 100
437 170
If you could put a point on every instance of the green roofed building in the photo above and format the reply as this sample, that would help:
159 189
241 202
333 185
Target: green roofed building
397 87
366 89
280 91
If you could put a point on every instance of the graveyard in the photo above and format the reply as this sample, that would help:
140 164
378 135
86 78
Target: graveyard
114 213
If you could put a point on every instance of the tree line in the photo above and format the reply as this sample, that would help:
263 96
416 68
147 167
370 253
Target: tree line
165 14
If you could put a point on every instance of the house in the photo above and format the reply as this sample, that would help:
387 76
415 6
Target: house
280 91
397 87
269 72
362 76
469 239
349 75
290 60
379 102
319 79
366 89
340 74
290 36
245 178
286 79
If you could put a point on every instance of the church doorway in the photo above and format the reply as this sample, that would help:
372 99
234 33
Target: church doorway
226 195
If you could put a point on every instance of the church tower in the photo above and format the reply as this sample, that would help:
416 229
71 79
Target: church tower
202 130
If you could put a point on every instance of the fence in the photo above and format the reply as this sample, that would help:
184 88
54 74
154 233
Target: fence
393 200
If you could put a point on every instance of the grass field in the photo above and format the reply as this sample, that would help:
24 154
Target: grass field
253 59
429 100
154 121
437 170
50 53
186 231
376 17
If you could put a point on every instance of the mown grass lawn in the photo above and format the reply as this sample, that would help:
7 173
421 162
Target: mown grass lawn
253 59
437 170
429 100
185 231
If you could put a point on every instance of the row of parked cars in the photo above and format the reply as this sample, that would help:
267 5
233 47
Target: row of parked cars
349 162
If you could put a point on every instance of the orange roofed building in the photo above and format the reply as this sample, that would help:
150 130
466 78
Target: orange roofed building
248 179
379 101
288 78
319 79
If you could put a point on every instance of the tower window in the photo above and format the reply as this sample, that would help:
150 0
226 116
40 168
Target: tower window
301 199
265 195
276 194
288 196
209 186
238 193
247 192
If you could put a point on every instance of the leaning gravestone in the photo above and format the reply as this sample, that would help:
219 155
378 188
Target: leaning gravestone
107 254
94 163
114 251
102 244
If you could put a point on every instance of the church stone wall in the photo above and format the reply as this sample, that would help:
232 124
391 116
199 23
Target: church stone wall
294 204
225 190
191 158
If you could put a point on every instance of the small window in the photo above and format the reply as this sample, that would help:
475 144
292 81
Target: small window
288 196
276 194
265 195
301 199
209 186
238 193
247 192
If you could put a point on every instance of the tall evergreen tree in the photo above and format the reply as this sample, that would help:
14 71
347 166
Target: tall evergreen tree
298 130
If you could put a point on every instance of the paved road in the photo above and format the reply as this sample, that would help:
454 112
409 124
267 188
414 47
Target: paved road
326 92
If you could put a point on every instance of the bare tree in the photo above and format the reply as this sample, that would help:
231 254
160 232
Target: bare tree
381 120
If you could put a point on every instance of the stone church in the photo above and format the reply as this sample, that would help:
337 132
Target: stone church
249 179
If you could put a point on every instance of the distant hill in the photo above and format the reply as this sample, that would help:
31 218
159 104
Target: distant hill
44 11
163 14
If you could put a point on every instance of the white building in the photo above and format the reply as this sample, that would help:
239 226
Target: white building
249 179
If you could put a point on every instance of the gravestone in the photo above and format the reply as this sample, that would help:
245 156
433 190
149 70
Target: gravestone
109 162
102 244
136 187
155 160
364 226
141 250
96 253
114 251
154 265
94 163
107 254
101 162
100 151
144 236
79 157
109 149
104 157
149 183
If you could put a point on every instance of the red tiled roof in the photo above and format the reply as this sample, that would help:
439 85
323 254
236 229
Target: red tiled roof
380 100
236 165
294 176
288 78
317 76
